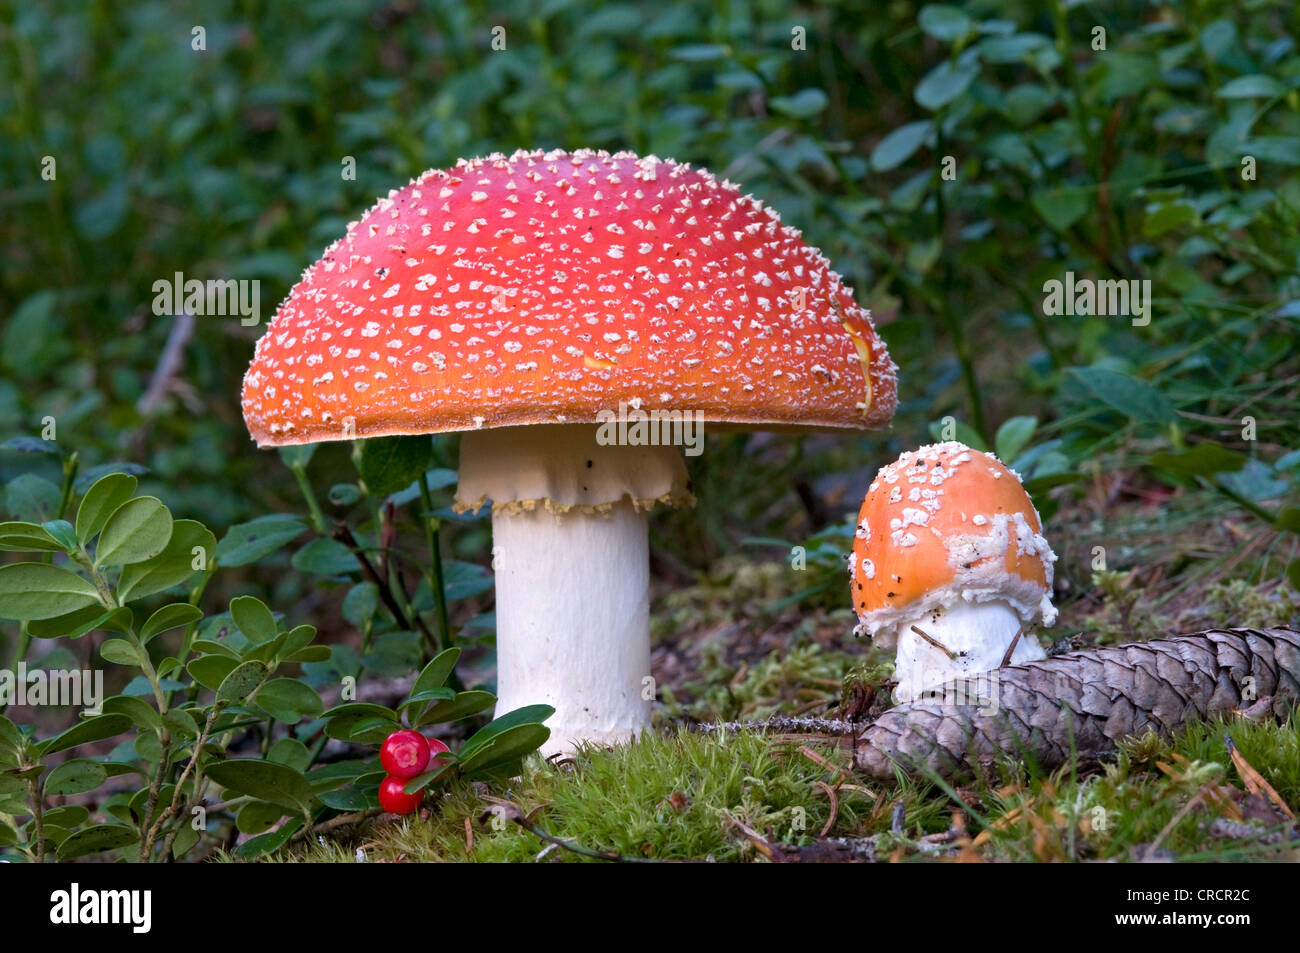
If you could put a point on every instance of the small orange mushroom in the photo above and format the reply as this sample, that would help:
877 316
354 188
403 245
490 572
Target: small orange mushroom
949 565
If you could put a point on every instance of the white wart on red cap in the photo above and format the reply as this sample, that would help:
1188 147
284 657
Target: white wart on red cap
543 287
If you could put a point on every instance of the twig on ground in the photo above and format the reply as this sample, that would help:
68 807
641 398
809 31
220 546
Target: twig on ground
787 725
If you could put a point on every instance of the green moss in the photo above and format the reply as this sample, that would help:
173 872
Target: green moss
679 797
1238 602
672 797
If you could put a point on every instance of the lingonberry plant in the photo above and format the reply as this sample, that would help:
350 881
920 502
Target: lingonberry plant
220 728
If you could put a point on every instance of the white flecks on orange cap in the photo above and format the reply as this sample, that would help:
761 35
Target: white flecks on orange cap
964 528
547 286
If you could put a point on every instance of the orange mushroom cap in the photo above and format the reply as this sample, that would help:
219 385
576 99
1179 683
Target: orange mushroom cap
544 287
945 522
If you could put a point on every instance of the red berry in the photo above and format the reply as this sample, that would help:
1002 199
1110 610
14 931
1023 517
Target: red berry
405 754
396 801
436 750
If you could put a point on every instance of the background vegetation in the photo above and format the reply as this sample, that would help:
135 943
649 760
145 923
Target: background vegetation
948 159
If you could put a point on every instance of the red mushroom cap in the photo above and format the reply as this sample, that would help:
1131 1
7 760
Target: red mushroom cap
547 287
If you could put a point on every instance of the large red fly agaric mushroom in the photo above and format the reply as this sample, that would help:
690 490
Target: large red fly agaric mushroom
950 566
526 300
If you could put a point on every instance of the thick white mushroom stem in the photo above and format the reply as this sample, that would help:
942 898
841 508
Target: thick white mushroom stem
570 550
573 620
945 652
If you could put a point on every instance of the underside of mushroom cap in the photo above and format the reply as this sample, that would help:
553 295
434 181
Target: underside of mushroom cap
549 287
566 469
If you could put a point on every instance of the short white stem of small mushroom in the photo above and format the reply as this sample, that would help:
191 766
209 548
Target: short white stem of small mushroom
573 620
957 643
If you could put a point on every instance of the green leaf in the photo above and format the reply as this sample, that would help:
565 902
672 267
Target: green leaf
37 591
944 83
138 530
266 843
297 457
11 739
67 815
211 670
1121 74
61 532
700 52
181 723
387 464
101 500
1012 437
348 799
436 672
1204 459
288 700
1218 39
944 22
169 617
360 710
141 713
897 147
186 838
1289 519
191 544
255 817
462 580
1168 216
440 766
27 538
297 638
429 695
1017 48
97 839
74 625
84 732
1255 481
529 714
32 499
75 777
961 431
291 753
434 480
1284 150
344 494
394 654
1060 208
207 646
26 444
1293 573
253 618
121 652
248 542
361 603
242 682
370 731
802 105
464 705
1130 396
504 750
276 783
325 557
1251 87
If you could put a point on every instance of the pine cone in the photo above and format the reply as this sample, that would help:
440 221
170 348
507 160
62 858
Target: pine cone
1101 696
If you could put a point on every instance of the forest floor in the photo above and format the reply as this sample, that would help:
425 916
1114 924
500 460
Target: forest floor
745 643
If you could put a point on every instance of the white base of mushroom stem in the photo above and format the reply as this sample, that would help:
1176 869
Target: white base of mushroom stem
976 637
573 621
